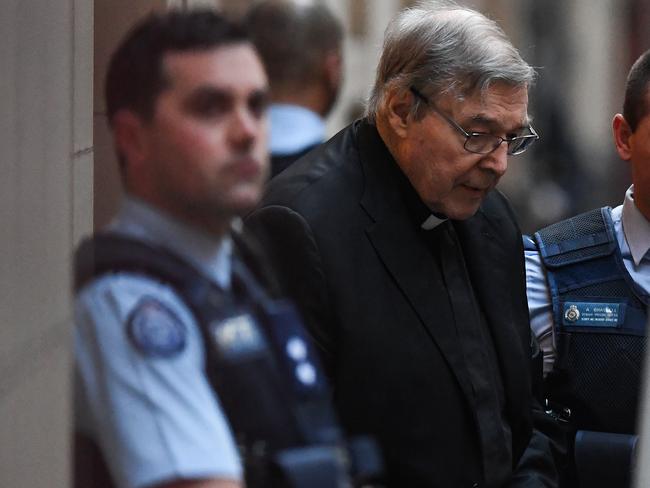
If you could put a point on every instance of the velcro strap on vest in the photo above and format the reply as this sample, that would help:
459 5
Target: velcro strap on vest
109 252
581 238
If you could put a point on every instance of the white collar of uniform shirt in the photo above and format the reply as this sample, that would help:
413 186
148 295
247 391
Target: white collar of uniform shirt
212 255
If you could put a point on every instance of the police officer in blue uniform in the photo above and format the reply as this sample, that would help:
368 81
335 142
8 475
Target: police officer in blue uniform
588 283
189 370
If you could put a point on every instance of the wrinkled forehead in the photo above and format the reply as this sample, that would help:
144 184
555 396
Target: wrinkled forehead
483 93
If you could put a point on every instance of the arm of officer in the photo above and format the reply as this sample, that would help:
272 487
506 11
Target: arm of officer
146 400
539 306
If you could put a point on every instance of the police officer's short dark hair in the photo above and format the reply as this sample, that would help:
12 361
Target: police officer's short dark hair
636 106
135 74
292 39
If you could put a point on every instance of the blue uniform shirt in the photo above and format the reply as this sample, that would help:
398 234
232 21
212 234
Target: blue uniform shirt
140 385
633 236
293 128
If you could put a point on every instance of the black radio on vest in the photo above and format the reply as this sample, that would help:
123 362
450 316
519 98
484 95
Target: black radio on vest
261 364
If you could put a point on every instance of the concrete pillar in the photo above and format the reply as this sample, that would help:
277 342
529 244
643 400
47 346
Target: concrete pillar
45 205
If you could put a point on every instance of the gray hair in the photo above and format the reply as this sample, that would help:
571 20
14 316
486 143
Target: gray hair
440 47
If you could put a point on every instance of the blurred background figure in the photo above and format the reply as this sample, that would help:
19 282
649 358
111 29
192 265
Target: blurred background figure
588 280
300 45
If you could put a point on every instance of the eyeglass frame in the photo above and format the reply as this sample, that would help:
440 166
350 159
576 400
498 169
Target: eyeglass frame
468 135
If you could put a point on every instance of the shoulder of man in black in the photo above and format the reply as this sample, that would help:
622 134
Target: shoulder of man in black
281 162
252 253
314 168
300 218
307 203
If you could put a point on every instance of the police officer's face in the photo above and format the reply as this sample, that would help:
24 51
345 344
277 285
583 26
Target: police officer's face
448 179
635 148
204 151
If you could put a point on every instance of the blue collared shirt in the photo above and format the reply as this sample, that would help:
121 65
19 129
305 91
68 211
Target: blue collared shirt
633 235
294 128
155 418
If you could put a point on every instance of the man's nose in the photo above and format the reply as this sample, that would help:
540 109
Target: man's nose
497 160
245 127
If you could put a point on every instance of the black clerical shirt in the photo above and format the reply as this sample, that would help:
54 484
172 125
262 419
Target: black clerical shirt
474 340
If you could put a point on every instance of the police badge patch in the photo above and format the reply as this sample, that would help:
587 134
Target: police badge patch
155 330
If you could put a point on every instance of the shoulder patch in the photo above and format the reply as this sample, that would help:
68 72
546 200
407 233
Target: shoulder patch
155 330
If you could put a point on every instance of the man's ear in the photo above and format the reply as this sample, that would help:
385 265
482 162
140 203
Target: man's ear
398 110
622 134
129 135
333 68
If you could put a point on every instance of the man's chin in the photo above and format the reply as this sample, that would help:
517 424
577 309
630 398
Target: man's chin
223 210
462 212
243 204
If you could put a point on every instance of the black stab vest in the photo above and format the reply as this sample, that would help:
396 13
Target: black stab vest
599 322
259 360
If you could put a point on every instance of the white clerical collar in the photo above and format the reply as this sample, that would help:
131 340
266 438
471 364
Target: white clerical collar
635 227
432 222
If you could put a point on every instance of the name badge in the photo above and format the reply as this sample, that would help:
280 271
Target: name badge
237 336
593 314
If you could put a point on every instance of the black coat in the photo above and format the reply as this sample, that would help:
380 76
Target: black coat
347 251
280 163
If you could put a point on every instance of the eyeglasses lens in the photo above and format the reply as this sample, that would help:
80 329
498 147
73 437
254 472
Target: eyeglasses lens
519 145
482 143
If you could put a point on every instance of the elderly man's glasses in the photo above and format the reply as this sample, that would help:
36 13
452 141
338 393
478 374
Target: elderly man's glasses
482 142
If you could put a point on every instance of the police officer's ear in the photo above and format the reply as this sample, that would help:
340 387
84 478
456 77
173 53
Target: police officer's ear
333 69
398 105
622 134
331 75
130 136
